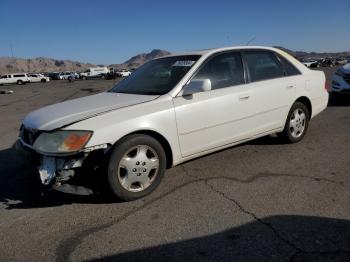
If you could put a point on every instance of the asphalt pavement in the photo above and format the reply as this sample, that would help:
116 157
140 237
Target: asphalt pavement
260 201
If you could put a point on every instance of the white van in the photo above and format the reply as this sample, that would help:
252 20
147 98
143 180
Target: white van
19 79
95 72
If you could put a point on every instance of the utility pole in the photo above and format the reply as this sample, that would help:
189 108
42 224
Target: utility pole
11 49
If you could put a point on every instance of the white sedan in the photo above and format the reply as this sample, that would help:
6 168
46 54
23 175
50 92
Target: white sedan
38 78
173 109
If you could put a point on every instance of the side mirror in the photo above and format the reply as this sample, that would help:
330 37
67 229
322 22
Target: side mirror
197 86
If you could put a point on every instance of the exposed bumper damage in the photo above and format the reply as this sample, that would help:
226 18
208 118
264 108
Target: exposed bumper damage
57 172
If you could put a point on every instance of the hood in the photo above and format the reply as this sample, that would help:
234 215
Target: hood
346 68
65 113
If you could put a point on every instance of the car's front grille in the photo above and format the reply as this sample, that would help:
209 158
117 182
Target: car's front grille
29 135
347 78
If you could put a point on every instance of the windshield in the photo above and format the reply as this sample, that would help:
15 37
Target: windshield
156 77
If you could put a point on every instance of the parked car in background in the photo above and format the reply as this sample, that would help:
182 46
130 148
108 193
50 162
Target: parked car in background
54 76
341 61
123 73
38 78
19 79
328 62
95 72
171 110
341 80
67 75
311 63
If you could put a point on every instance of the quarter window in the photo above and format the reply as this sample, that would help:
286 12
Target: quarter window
223 70
290 70
263 65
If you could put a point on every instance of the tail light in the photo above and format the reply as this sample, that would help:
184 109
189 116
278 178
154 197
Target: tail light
326 86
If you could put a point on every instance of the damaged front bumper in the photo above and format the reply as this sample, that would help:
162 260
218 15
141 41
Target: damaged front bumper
55 170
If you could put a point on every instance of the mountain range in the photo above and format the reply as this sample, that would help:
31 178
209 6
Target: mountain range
10 65
41 64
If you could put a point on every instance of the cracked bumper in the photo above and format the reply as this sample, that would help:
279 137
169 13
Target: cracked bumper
56 170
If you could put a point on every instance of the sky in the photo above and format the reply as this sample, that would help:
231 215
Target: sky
107 31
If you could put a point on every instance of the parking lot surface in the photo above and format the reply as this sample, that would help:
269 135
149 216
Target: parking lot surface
260 201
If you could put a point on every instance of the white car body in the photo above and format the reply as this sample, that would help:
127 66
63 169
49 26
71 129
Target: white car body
190 127
123 73
94 72
19 78
341 80
38 78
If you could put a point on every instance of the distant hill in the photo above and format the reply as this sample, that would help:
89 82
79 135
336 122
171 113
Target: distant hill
305 55
10 65
140 59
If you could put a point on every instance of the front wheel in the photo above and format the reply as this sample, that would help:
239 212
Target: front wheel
297 123
19 82
136 167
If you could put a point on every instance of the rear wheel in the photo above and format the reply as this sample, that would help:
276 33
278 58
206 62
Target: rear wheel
297 123
43 80
136 167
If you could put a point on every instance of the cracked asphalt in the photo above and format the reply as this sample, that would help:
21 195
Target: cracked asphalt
260 201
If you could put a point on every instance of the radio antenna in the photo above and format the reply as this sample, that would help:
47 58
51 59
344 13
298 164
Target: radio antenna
251 40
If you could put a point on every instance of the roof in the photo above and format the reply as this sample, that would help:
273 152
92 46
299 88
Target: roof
215 50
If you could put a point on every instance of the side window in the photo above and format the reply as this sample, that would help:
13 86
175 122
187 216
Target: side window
289 68
5 76
263 65
223 70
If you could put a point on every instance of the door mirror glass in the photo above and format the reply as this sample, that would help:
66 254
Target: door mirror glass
197 86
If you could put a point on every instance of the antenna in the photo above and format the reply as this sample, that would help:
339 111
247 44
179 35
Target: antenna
251 40
11 49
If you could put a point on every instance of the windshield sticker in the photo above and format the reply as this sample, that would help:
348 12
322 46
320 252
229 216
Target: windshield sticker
186 63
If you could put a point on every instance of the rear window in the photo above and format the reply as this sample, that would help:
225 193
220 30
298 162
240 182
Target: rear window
263 65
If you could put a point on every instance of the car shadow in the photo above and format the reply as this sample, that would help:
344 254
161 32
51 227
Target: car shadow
274 238
338 100
20 186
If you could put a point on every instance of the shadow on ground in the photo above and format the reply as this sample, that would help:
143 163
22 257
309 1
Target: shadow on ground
21 188
276 238
339 100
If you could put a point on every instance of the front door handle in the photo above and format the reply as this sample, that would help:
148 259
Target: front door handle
244 97
290 86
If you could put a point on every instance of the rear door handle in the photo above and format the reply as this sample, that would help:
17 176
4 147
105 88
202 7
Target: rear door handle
244 97
290 86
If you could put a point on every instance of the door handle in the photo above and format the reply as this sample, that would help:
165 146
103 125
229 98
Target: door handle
290 86
244 97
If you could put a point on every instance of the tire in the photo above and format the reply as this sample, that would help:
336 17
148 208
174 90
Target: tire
296 124
136 167
84 77
19 82
43 80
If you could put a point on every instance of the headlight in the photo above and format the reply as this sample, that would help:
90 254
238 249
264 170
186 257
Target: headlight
62 141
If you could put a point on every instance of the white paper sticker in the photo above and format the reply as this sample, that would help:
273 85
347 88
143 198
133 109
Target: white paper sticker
187 63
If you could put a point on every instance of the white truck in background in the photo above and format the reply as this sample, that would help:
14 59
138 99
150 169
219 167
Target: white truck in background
95 72
19 79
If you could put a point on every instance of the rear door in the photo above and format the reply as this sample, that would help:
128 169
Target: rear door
272 90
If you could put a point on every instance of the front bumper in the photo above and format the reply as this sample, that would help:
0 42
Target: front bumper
57 170
339 85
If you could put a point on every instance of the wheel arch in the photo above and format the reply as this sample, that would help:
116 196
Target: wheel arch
306 101
160 138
